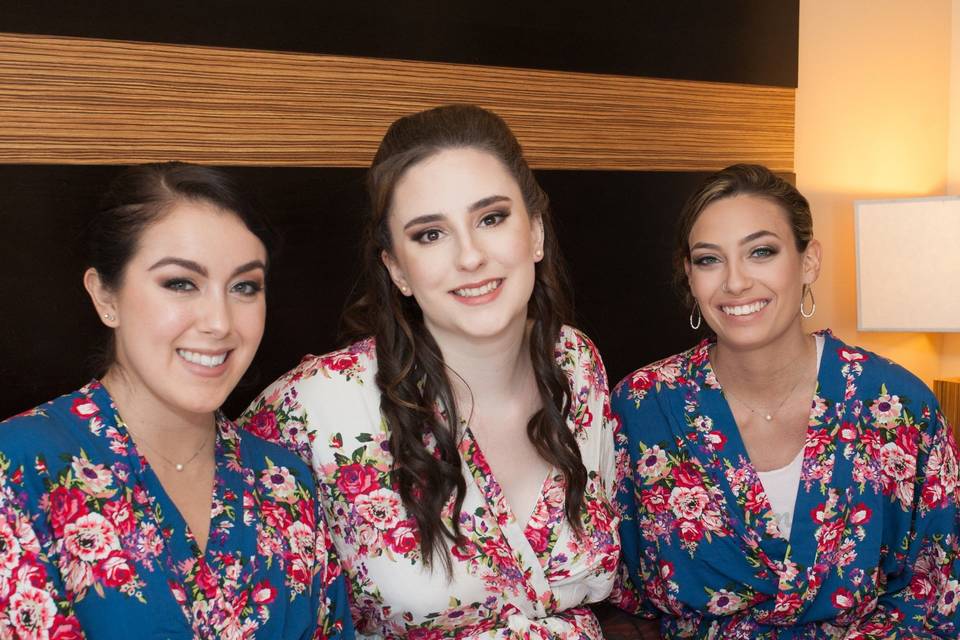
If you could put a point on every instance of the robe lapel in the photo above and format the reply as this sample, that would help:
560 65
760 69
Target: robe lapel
524 564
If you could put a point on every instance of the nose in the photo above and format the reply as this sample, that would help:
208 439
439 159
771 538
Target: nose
215 317
738 279
470 253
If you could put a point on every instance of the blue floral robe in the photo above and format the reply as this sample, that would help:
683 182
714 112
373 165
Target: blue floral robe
92 546
874 550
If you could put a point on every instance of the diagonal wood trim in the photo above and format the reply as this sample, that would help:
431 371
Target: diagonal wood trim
80 101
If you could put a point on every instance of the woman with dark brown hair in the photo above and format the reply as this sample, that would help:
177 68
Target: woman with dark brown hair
461 439
131 507
780 484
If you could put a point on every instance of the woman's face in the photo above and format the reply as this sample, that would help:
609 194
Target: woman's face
464 244
189 313
745 271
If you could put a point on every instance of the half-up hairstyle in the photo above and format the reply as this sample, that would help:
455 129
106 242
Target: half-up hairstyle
411 374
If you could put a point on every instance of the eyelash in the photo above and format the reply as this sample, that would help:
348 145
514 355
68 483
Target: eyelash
494 218
247 288
421 236
180 285
768 252
757 252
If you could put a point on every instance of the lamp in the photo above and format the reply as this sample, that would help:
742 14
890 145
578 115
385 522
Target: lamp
908 273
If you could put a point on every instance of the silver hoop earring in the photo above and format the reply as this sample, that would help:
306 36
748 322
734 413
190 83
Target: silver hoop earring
696 309
813 303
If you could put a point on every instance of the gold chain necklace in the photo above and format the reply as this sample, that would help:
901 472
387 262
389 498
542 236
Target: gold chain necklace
179 466
766 415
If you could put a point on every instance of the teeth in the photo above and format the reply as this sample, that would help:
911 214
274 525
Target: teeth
202 358
478 291
745 309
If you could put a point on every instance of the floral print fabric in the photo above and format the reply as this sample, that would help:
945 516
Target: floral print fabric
874 550
91 545
509 579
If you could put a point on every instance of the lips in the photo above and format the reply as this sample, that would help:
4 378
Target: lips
478 289
744 309
209 360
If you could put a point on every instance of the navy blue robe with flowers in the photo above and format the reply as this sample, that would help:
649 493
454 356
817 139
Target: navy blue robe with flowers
91 545
874 550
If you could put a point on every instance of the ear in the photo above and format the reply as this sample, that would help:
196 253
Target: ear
104 299
537 235
396 273
811 262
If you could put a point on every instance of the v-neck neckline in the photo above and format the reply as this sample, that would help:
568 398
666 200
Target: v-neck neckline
736 450
150 481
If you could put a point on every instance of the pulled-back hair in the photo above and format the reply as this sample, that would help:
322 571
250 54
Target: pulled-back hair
736 180
411 374
139 197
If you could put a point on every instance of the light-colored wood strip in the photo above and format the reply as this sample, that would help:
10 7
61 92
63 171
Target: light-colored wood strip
947 391
81 101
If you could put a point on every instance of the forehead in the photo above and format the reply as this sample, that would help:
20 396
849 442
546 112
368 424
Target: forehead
450 181
740 215
202 232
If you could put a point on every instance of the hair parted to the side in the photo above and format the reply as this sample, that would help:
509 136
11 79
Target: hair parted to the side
411 374
735 180
141 196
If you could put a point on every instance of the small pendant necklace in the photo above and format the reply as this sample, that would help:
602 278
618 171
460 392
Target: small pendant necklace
179 466
766 415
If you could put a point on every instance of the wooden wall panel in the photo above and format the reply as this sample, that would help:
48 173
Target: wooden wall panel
80 101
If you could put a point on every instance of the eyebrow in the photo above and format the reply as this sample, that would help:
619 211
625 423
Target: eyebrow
436 217
750 238
200 269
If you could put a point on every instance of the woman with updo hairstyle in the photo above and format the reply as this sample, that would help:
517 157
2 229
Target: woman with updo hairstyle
780 484
132 507
462 437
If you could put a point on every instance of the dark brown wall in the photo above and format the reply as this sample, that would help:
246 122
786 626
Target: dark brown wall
622 110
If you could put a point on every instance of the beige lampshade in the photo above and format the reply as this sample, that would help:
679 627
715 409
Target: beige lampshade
908 264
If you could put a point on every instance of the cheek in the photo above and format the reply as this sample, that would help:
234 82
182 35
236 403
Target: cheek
424 269
152 318
250 320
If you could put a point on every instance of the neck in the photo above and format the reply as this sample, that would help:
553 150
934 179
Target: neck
175 433
770 366
493 369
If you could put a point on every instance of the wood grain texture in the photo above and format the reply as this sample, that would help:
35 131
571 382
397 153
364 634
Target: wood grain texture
79 101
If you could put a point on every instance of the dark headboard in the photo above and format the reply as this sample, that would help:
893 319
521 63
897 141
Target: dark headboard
622 111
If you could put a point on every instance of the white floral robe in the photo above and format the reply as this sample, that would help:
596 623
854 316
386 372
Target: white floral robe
508 580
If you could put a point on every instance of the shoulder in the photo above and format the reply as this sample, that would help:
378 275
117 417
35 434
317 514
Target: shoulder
259 454
873 371
327 374
353 363
661 376
52 421
578 357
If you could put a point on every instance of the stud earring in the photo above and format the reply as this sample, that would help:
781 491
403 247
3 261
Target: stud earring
404 289
538 253
108 317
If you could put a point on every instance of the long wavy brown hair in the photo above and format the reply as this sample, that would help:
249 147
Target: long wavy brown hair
412 376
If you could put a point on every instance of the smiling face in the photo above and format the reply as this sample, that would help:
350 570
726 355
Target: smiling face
189 312
745 271
463 244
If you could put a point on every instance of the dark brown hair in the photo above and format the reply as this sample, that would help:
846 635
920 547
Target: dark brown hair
141 196
735 180
411 372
